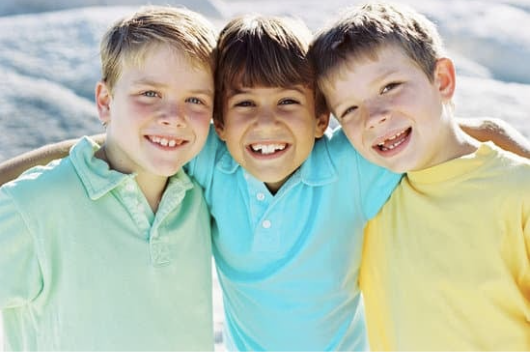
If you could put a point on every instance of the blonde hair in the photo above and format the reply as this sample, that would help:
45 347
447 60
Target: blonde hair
129 39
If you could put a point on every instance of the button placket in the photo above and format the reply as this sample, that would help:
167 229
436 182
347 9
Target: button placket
128 193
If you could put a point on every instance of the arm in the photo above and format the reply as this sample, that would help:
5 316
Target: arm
12 168
499 132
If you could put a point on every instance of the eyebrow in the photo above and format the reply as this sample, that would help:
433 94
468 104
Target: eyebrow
149 82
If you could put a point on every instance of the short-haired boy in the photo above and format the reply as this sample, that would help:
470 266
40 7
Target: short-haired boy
286 240
109 249
445 263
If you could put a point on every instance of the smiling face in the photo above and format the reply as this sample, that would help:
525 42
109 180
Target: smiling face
158 113
270 132
392 113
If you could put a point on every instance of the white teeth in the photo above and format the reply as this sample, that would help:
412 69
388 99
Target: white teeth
391 146
268 149
382 146
163 141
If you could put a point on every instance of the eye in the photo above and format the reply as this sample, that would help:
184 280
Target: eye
150 94
244 104
390 86
347 111
287 101
194 100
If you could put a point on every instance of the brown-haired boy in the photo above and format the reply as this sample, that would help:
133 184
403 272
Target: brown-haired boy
446 264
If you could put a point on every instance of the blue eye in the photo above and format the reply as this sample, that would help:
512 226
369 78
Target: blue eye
150 94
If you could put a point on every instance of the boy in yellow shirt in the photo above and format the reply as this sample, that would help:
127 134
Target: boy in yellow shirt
445 263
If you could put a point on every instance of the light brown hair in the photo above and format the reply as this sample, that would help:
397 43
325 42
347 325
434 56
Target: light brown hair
362 30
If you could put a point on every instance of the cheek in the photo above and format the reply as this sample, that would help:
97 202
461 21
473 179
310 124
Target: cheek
354 134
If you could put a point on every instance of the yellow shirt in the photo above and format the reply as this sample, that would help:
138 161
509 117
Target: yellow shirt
446 262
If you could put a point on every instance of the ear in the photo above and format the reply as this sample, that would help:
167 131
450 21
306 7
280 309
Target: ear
445 78
103 98
219 129
322 124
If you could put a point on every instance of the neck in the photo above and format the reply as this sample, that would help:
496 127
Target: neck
463 144
152 186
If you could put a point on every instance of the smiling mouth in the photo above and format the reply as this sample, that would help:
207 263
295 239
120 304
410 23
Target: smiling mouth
165 141
394 141
267 149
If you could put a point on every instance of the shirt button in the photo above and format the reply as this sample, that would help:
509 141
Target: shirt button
266 224
260 196
130 187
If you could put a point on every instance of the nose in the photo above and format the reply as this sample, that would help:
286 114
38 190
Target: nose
376 114
265 118
172 114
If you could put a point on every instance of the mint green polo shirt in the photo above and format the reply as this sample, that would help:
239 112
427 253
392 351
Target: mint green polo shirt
85 265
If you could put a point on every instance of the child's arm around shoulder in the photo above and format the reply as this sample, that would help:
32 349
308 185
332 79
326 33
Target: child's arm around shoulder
12 168
499 132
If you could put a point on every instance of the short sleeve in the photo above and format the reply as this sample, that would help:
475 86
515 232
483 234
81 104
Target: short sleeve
20 275
372 184
201 167
376 185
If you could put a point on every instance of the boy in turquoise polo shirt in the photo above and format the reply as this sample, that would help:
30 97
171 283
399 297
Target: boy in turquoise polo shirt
109 249
288 203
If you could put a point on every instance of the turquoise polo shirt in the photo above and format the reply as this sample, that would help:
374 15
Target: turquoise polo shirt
288 263
85 265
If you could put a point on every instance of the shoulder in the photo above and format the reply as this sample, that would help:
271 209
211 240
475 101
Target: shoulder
505 162
42 184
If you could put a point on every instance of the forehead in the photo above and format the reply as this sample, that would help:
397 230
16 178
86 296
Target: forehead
168 68
240 89
378 63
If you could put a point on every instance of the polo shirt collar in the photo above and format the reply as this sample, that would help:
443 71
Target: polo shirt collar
98 179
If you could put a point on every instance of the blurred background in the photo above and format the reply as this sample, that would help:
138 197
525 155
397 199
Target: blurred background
49 59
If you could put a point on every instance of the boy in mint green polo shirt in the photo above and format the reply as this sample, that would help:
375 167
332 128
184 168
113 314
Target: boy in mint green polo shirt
109 249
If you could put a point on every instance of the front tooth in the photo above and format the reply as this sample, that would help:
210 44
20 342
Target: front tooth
266 149
163 142
172 143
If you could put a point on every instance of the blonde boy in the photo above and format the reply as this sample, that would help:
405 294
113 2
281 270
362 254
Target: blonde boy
445 264
109 249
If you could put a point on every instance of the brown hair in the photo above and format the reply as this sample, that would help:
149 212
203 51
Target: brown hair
129 39
263 51
362 30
